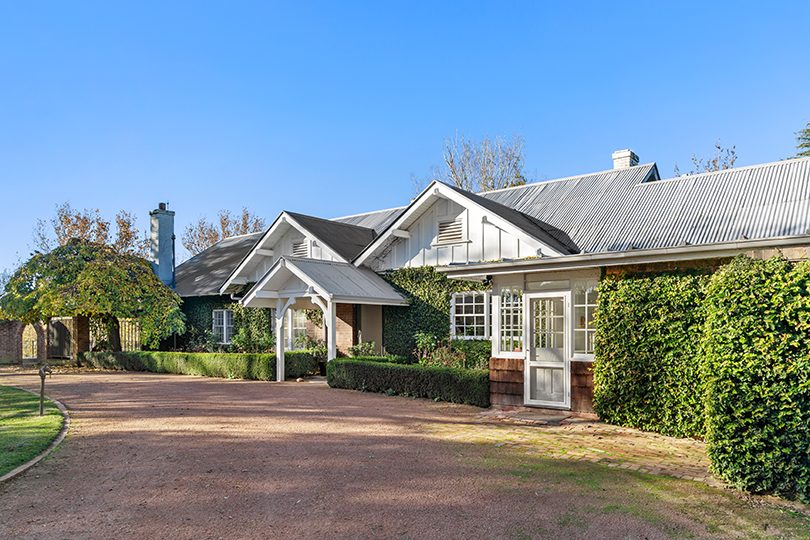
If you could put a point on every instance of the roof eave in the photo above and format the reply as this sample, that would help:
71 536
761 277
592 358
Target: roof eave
621 258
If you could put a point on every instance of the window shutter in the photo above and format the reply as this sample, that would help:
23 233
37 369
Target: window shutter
450 231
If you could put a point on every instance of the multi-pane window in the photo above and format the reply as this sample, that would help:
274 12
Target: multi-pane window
469 315
584 307
298 328
223 325
511 319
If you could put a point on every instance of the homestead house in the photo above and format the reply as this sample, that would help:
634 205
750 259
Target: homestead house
536 254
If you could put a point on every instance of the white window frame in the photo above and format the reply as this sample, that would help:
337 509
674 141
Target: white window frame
291 329
498 352
574 327
487 312
227 329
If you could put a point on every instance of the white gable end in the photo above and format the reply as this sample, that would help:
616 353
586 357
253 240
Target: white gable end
444 230
285 238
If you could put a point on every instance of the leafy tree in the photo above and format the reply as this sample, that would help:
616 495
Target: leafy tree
89 225
723 158
803 142
203 234
82 278
480 166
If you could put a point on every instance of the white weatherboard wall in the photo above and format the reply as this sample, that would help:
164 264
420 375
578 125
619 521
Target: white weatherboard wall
483 240
284 247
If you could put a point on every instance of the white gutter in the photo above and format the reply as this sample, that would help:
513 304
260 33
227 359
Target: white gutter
621 258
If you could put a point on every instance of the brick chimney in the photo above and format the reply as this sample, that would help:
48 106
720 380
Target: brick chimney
161 243
624 158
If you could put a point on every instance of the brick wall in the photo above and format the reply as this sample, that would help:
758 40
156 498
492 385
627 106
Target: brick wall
346 328
11 341
346 335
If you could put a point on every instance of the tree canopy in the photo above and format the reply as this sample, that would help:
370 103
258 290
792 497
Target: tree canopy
723 158
202 234
90 225
82 278
803 141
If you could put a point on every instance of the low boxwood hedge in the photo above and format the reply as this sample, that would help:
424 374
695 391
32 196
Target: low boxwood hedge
254 366
470 386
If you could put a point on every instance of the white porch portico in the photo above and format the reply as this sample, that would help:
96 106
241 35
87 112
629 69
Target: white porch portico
303 283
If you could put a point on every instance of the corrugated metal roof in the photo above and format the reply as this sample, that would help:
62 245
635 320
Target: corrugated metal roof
378 220
619 211
344 281
203 274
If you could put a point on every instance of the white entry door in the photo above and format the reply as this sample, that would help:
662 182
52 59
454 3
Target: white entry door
547 380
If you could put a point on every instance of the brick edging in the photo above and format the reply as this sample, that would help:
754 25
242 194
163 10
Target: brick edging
51 447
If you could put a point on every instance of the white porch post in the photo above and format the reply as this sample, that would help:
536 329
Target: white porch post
281 310
332 325
280 339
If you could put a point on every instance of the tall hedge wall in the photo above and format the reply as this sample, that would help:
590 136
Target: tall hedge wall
725 356
757 346
429 310
647 369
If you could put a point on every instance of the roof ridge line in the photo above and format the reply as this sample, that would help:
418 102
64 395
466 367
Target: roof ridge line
566 178
731 169
367 213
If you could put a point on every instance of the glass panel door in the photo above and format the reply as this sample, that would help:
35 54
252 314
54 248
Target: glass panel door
547 381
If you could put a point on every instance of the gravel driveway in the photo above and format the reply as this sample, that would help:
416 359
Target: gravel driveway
155 456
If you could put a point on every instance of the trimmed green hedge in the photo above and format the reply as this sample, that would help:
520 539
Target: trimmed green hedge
647 368
429 309
445 384
757 346
386 359
477 352
725 356
255 366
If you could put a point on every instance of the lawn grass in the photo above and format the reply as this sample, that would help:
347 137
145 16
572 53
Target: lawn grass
23 433
675 508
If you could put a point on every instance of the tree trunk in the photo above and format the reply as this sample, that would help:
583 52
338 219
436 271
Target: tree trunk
114 333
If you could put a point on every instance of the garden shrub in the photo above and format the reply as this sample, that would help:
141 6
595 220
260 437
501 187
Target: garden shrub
439 383
227 365
255 366
647 367
429 309
299 364
477 352
253 329
757 346
390 359
364 348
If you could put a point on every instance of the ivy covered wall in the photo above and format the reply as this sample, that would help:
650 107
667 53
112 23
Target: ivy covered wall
429 310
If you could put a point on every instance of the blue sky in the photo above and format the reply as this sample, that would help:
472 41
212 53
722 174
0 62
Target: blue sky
329 108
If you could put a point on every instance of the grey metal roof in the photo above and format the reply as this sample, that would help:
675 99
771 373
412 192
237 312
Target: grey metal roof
344 281
551 236
626 209
346 239
203 274
378 220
